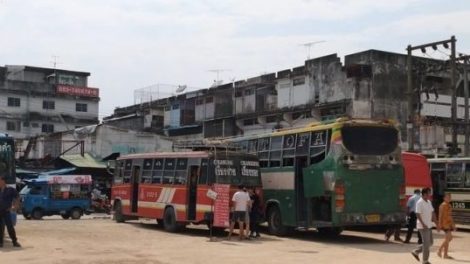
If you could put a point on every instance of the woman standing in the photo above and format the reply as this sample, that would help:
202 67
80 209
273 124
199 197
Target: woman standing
446 223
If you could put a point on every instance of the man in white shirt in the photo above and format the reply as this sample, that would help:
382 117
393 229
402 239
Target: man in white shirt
241 200
426 216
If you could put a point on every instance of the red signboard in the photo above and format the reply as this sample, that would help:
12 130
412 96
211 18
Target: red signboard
78 90
222 205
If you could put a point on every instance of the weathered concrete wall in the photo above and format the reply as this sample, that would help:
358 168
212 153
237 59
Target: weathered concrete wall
326 76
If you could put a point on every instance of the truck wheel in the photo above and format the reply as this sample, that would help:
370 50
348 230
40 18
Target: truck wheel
275 225
26 216
65 216
37 214
76 213
118 217
169 220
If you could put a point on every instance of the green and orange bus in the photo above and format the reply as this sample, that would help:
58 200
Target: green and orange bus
330 175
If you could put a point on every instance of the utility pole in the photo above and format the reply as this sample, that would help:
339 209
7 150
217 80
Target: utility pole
452 90
411 111
465 59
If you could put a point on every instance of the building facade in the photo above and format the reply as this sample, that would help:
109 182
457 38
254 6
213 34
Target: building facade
368 84
35 101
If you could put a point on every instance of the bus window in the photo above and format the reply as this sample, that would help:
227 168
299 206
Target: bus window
263 151
157 171
455 175
303 142
181 171
318 146
369 140
169 171
275 153
467 176
288 150
147 171
252 146
249 171
127 171
118 172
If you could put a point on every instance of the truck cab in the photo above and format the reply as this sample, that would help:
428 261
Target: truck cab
65 195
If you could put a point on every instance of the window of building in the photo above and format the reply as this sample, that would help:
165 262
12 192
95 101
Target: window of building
35 125
48 105
249 91
238 93
13 126
298 81
271 119
209 99
79 107
250 122
14 102
47 128
199 101
175 106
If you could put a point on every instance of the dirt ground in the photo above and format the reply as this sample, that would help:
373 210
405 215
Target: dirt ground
92 240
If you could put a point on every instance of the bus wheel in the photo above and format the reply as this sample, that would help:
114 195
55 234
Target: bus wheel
330 231
65 216
76 213
37 214
275 225
118 217
169 220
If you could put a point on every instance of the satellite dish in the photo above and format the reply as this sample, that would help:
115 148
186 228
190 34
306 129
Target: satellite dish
181 88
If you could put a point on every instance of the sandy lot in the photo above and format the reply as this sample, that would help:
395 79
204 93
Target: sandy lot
89 240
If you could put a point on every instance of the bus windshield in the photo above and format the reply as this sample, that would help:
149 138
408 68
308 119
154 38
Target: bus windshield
7 162
237 171
369 140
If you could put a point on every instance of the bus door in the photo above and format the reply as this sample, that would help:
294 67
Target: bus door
300 164
192 191
135 180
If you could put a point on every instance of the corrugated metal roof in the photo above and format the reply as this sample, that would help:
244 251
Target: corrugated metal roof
86 161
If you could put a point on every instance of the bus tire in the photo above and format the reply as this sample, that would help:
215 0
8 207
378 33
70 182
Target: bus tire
76 213
37 214
275 225
330 231
169 220
118 217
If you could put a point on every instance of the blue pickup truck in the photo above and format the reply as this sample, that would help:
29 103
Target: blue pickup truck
65 195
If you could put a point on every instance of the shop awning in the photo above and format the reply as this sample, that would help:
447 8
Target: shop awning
85 161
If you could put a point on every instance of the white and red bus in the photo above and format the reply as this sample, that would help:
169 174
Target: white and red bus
171 187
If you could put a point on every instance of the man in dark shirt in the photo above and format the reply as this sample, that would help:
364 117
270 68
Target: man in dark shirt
8 197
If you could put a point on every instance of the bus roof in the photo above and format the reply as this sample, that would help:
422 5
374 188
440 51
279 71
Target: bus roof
450 160
328 124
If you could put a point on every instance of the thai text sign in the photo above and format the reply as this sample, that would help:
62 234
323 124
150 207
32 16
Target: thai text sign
78 90
222 205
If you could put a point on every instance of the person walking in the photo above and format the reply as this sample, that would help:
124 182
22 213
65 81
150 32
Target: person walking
255 212
8 201
446 223
426 216
395 230
411 210
241 201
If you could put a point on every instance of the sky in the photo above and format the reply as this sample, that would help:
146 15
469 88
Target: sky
131 44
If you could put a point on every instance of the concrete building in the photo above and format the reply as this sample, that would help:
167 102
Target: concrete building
368 84
35 101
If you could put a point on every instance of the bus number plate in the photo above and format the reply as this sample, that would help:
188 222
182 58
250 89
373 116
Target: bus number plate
373 218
